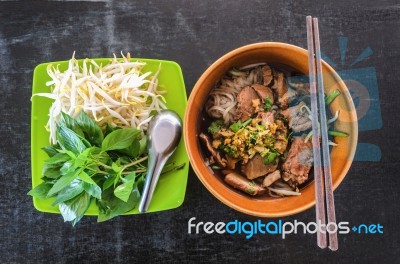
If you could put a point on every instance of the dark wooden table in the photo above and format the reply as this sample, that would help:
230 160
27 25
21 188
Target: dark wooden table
194 34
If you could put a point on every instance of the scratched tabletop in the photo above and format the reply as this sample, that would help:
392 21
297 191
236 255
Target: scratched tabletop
361 39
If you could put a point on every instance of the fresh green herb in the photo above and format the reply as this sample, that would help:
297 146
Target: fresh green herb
331 96
270 157
246 122
230 150
235 127
267 103
215 126
120 139
88 165
337 133
215 167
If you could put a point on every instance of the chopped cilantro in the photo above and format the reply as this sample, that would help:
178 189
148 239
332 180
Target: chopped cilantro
268 103
270 158
215 126
231 151
236 126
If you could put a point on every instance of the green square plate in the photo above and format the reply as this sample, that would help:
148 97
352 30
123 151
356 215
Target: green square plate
170 191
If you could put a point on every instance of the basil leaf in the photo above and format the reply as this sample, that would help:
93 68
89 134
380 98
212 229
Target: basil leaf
50 150
120 139
91 130
67 167
51 170
69 140
111 206
63 182
69 122
109 182
110 129
124 190
69 192
130 177
137 148
58 158
86 178
74 209
40 191
92 189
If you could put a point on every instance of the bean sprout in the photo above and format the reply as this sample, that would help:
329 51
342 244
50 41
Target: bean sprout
118 93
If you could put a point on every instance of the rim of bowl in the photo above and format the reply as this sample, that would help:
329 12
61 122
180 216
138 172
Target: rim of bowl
191 148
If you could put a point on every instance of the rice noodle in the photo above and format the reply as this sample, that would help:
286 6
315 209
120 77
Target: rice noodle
222 101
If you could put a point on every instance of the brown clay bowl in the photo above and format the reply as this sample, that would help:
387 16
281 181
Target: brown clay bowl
296 58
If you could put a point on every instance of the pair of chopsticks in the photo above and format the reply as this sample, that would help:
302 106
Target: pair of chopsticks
322 170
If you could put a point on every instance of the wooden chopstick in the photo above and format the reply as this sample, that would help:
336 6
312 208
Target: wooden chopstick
322 178
318 177
330 203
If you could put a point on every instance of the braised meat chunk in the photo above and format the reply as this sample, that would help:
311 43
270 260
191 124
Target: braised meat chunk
255 167
267 118
245 106
239 182
263 92
271 178
267 75
298 117
281 89
298 162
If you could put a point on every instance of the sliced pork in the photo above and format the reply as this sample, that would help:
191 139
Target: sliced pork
298 117
245 105
298 162
267 75
255 167
271 178
263 92
280 88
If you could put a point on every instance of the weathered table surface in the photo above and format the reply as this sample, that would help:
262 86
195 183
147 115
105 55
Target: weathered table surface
194 34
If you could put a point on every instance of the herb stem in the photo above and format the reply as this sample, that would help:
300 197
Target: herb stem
135 162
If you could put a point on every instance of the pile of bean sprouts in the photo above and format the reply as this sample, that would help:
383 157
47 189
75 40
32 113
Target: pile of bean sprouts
118 93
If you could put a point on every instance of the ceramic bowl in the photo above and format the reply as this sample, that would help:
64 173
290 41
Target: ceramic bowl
274 53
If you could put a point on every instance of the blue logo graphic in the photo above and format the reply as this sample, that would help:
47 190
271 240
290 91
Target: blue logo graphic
363 87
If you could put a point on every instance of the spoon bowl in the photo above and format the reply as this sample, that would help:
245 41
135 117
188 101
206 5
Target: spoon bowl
164 133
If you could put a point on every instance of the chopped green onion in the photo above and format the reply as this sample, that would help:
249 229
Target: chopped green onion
238 125
215 167
246 122
337 133
330 97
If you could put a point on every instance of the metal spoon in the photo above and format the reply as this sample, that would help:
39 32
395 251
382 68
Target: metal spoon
164 133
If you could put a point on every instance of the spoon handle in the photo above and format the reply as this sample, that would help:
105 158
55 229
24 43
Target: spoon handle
155 166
